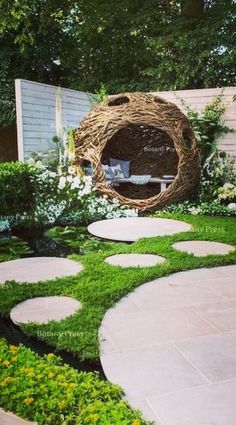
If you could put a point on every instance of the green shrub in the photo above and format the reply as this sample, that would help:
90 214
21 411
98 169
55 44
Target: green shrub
203 208
43 390
16 188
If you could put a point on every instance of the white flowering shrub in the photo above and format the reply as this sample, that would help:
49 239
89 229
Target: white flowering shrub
217 170
4 225
214 208
227 192
101 207
65 197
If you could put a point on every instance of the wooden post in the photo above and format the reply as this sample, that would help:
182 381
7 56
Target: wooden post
19 122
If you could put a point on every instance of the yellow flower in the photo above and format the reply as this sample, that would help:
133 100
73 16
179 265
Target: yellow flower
39 376
13 349
94 418
51 356
28 400
6 363
62 404
72 385
8 380
136 422
14 359
51 375
23 369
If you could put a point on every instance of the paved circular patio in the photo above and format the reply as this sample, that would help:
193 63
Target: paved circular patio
35 269
171 345
132 229
203 248
43 309
134 260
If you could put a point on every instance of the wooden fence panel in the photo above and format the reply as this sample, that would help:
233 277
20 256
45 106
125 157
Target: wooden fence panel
198 99
36 114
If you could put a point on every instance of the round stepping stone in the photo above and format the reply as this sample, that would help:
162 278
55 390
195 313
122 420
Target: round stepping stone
34 269
203 248
43 309
132 229
135 260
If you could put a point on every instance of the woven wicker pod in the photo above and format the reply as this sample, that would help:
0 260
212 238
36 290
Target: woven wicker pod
139 127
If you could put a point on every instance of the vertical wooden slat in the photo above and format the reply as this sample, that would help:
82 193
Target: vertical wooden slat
19 120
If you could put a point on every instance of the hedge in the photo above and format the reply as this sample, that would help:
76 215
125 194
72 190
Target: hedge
16 188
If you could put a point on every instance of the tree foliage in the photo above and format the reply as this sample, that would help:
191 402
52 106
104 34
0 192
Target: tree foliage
125 45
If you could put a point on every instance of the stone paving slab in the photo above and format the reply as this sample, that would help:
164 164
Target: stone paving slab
37 269
213 404
132 229
7 418
44 309
171 345
203 248
134 260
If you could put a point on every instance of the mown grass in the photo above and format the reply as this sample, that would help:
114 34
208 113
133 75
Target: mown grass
101 285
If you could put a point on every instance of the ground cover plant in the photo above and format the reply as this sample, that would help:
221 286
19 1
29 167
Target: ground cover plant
44 390
99 286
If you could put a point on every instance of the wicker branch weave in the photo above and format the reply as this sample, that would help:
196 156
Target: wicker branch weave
119 121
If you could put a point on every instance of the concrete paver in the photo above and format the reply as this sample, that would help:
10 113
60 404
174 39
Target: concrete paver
134 260
133 228
7 418
43 309
203 248
37 269
171 345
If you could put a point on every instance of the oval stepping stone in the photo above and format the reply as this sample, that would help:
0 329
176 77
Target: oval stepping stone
34 269
203 248
135 260
44 309
134 228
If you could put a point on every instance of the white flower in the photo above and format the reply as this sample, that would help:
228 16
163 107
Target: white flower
4 225
71 170
39 165
76 183
232 206
70 179
62 182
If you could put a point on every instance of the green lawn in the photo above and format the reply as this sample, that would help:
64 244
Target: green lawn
101 285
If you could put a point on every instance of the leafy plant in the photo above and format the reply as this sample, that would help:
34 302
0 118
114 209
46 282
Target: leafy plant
79 239
44 390
218 169
208 125
14 246
102 93
16 188
214 208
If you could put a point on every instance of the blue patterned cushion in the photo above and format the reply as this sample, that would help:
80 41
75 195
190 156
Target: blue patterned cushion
124 165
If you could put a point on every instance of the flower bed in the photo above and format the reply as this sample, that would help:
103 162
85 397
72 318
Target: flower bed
42 389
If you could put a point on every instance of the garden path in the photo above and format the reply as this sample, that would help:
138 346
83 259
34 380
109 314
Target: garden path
7 418
171 345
